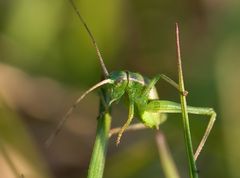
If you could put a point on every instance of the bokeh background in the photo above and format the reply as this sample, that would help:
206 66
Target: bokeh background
47 60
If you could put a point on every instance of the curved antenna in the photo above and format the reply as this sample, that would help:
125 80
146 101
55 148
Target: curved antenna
69 112
105 71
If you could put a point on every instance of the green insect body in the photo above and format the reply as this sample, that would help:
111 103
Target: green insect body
140 91
142 98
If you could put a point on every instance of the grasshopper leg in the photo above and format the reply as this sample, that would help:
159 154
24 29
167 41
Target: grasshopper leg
163 106
206 134
129 120
166 79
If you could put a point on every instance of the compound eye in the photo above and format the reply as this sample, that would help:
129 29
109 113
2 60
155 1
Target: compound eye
118 81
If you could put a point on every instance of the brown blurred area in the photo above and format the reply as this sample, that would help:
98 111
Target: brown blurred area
40 103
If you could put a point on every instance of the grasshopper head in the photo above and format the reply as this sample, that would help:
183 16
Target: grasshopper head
118 88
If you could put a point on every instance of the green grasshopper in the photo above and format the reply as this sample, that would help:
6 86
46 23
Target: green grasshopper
143 100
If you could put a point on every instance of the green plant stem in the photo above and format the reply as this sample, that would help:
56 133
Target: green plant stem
186 127
167 162
187 135
97 162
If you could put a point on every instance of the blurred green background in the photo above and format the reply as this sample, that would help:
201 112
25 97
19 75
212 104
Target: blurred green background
47 60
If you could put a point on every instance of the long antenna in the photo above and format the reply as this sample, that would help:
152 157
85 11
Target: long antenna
105 71
69 112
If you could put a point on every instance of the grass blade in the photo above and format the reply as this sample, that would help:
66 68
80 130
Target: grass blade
187 133
97 163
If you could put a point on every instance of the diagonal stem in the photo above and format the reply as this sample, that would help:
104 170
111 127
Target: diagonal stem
167 162
9 160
